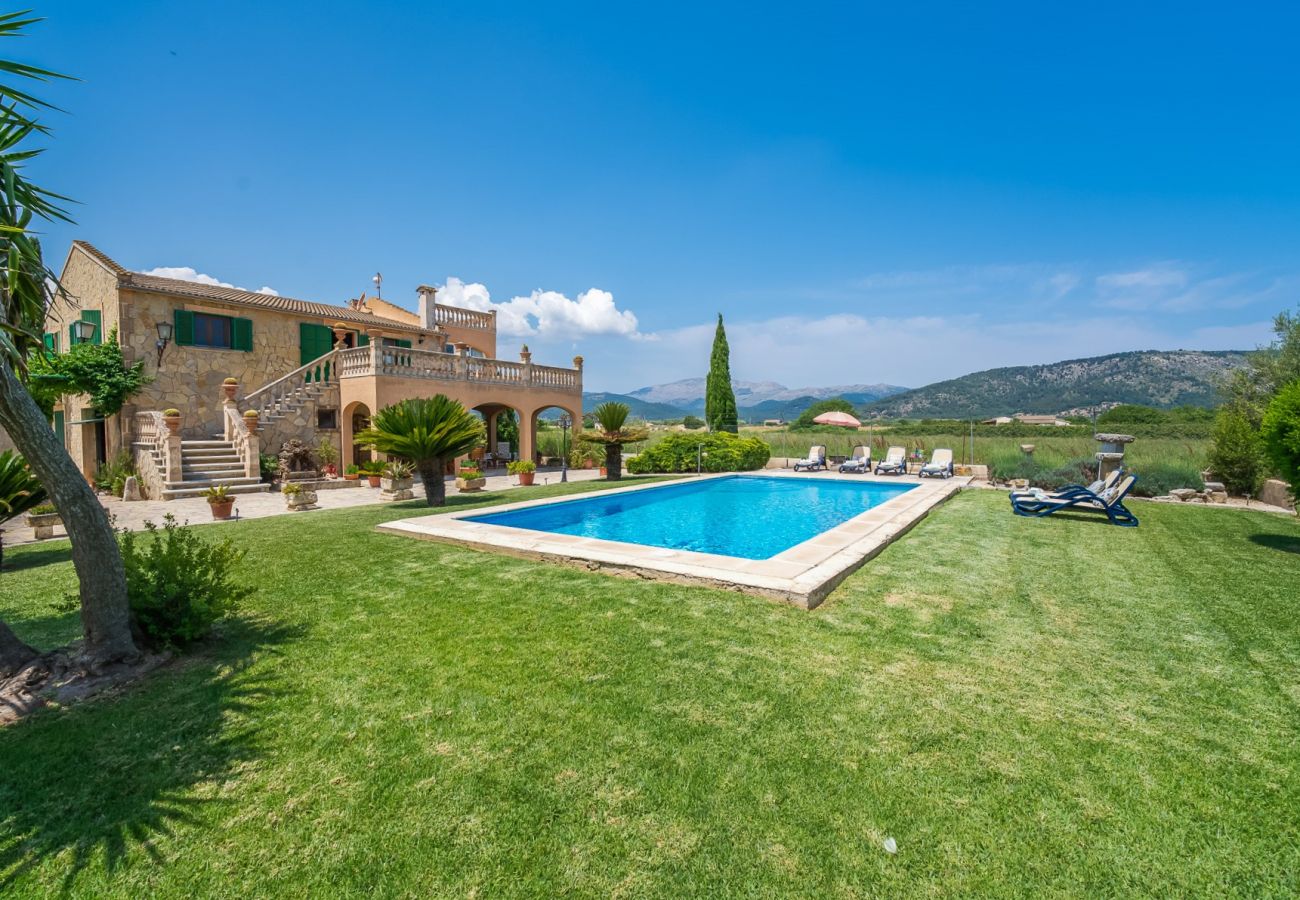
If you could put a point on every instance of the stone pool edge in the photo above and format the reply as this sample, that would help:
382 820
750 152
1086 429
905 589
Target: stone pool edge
802 575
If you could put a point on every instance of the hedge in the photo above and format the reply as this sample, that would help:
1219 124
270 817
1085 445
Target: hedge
721 452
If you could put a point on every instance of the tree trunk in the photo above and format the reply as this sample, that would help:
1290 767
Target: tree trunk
613 461
105 612
14 654
435 489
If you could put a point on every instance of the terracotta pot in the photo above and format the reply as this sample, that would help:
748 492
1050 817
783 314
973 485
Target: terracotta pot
526 478
250 422
603 472
588 464
350 476
222 510
374 480
173 423
229 390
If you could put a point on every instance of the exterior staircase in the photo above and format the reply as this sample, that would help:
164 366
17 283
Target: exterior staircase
205 464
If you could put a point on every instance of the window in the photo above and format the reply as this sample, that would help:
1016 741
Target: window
51 342
327 419
211 331
195 329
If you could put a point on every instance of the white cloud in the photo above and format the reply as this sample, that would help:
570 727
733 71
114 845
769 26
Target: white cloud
187 273
546 314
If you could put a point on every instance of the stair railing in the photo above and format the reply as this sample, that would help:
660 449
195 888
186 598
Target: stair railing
154 453
270 398
243 440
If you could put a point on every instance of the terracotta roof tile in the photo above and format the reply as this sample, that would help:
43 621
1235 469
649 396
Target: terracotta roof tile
176 287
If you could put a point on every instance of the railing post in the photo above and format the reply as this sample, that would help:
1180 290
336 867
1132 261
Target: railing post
577 364
526 357
172 456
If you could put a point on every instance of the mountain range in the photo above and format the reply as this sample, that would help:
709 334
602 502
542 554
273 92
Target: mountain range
1160 378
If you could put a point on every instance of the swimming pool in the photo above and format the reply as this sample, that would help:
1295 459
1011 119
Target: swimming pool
749 517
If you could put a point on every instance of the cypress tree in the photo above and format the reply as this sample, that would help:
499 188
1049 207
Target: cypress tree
719 399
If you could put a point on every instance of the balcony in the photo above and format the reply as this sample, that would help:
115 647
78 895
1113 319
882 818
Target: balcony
398 362
465 318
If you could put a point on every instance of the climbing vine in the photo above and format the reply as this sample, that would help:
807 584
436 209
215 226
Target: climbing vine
97 370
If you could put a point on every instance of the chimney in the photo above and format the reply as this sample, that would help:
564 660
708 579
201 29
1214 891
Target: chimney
428 306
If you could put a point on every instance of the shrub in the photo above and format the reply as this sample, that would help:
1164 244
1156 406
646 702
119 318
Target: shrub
1280 432
216 494
171 413
693 423
469 473
722 452
111 476
1161 478
178 583
834 404
291 489
268 465
43 509
521 465
1236 453
398 470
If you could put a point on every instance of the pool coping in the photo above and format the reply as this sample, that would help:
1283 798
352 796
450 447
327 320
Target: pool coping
802 575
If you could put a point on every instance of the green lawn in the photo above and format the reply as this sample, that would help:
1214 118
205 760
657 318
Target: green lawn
1028 707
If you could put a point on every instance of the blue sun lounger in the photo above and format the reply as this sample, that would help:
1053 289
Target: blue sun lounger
1110 502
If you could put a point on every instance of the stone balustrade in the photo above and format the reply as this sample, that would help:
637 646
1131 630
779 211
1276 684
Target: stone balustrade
465 318
400 362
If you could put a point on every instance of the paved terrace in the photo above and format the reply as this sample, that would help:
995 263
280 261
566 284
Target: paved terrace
195 511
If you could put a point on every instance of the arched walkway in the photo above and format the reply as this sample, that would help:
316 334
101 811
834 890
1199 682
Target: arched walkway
356 418
550 440
503 438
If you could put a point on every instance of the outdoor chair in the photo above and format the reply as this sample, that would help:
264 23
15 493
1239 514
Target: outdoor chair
1110 502
816 460
939 466
859 461
894 463
1097 487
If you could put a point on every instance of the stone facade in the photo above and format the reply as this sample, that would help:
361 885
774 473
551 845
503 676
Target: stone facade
190 377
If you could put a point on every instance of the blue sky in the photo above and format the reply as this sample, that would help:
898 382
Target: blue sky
869 193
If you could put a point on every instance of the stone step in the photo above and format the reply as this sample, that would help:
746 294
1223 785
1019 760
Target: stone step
183 492
212 472
217 444
209 456
201 483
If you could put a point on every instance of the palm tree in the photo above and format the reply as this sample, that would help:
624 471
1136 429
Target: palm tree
19 491
25 295
427 432
613 431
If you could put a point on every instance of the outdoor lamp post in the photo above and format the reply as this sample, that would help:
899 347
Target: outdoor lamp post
164 338
565 424
82 331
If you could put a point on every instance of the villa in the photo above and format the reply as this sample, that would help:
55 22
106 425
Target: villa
300 369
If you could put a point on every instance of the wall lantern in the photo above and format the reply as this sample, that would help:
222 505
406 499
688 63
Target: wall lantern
164 338
83 332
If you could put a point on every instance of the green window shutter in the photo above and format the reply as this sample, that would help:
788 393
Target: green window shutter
241 334
363 340
94 317
183 327
51 342
314 341
72 335
405 345
58 426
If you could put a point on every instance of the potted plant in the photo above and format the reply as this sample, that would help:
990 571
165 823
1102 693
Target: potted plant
42 520
219 501
328 456
396 477
526 469
172 419
470 479
250 421
374 471
296 498
351 472
229 387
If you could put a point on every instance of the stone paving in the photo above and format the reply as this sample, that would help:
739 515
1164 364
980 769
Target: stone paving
257 506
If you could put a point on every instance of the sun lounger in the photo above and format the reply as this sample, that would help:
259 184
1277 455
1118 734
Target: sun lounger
860 461
816 460
1097 487
1109 501
939 466
894 463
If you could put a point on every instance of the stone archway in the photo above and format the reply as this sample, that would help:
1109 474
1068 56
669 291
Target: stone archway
546 443
356 418
503 442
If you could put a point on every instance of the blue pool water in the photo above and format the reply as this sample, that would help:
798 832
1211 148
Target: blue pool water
751 517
